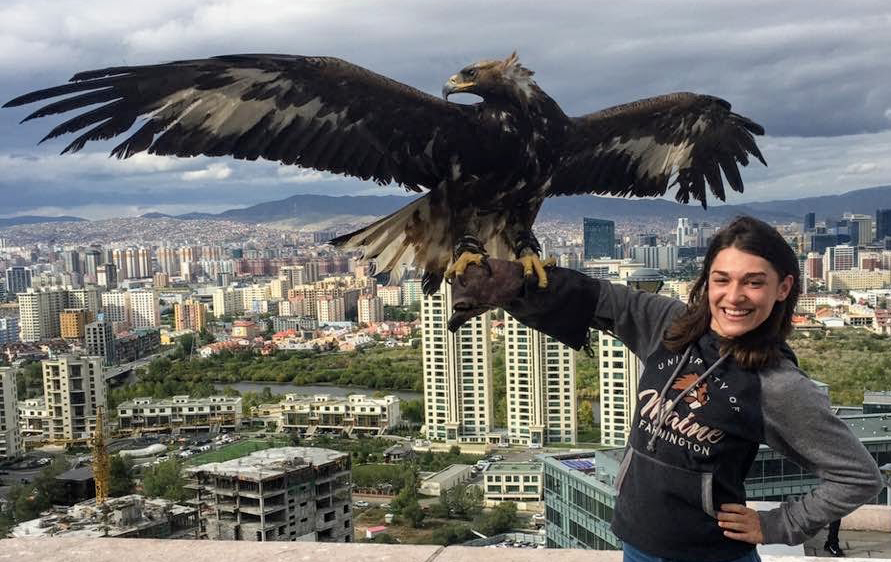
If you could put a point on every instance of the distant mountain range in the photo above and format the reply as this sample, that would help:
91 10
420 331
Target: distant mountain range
313 208
301 210
32 219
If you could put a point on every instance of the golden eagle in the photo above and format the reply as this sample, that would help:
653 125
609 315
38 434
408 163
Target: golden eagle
484 168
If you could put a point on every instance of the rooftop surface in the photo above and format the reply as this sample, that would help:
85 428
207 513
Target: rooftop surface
515 467
270 463
149 550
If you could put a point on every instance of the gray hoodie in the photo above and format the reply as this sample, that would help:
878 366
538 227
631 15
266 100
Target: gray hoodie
779 406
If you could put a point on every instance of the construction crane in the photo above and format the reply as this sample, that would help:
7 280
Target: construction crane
101 463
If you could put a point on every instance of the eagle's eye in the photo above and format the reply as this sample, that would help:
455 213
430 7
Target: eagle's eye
470 72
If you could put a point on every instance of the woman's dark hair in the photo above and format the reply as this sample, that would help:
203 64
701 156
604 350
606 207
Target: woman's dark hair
761 346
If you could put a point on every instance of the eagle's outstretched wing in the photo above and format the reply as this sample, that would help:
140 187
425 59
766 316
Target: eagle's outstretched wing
637 149
317 112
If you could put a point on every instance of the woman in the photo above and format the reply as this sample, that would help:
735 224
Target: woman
719 380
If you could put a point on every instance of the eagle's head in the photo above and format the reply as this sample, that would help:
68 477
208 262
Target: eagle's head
493 78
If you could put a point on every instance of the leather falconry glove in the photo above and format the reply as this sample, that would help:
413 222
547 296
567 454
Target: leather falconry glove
564 310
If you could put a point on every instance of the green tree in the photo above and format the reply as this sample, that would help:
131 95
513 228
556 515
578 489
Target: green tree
451 534
121 480
412 513
501 519
165 480
585 414
412 411
462 501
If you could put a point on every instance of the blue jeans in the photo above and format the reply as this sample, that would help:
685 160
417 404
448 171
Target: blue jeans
631 554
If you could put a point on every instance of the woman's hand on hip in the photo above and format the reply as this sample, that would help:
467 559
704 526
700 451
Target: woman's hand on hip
740 523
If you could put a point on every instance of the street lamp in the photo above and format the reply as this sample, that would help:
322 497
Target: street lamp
886 472
646 279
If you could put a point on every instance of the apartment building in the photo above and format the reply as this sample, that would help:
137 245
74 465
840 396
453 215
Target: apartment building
190 315
353 415
458 396
145 309
541 397
72 322
99 341
10 436
619 371
181 412
39 311
74 387
33 417
283 494
371 309
116 306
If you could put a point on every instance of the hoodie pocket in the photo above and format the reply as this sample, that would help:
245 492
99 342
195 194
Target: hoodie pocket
668 505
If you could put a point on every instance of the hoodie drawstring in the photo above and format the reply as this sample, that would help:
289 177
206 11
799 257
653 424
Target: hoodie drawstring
662 415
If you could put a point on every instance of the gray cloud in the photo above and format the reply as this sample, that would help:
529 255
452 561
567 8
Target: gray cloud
813 73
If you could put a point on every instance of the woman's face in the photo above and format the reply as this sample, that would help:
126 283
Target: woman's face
742 289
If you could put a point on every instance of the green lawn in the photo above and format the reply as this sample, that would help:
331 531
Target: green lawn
234 451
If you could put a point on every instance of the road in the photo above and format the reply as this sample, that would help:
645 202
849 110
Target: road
117 370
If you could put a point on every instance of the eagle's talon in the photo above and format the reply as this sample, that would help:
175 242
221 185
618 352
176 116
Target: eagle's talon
532 264
457 268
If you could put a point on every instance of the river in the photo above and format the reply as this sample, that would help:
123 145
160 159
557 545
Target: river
309 389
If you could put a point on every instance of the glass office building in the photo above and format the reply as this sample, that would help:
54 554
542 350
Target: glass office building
599 238
579 488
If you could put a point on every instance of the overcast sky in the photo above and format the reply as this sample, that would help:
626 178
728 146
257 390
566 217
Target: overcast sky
816 74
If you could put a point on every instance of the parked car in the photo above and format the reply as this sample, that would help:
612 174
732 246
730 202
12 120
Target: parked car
385 506
360 503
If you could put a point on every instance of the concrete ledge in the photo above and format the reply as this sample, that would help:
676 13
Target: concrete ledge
151 550
869 518
154 550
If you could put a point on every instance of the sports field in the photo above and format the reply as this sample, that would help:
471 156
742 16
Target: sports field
234 451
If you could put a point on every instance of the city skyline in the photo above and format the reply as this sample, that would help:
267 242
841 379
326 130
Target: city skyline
825 63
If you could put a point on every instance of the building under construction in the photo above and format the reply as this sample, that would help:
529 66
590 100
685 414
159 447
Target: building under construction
283 494
132 516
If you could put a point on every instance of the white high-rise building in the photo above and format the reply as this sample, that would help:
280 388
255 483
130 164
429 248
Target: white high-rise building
39 313
294 274
391 295
656 257
119 258
88 299
864 228
330 309
226 300
839 258
619 371
73 387
458 396
371 309
132 258
145 309
144 261
252 295
682 233
411 292
168 260
10 435
116 306
541 401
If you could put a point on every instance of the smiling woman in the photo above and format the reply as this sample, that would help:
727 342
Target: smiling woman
746 294
718 381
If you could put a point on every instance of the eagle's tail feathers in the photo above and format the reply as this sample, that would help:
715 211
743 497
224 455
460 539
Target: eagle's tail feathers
388 241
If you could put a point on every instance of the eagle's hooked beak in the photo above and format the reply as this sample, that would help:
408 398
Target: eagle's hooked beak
456 86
